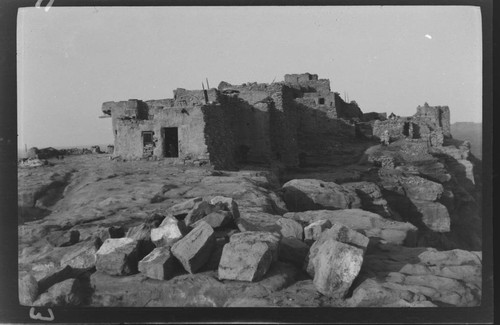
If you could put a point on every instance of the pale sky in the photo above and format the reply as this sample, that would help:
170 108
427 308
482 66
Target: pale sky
387 58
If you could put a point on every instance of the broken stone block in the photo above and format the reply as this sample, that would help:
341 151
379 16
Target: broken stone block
293 250
200 210
64 239
228 203
28 289
82 255
159 264
118 256
195 248
339 233
290 228
170 231
216 219
434 215
336 266
142 233
184 207
271 239
245 260
315 229
313 194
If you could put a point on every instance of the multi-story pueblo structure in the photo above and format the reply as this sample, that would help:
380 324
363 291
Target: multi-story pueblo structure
296 120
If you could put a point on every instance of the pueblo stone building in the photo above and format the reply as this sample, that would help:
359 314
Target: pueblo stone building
296 120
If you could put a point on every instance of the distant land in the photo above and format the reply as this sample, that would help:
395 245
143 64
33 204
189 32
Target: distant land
21 153
471 131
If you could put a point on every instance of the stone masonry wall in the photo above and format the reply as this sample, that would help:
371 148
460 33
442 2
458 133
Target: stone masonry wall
188 120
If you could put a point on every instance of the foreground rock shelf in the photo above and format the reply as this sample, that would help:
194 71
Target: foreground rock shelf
150 234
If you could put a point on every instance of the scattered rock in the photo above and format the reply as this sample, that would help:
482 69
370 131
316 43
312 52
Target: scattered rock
433 214
118 256
216 219
228 203
28 289
195 248
82 255
371 224
312 194
313 231
184 207
245 260
336 265
271 239
200 210
258 221
419 188
63 239
290 228
159 264
337 232
170 231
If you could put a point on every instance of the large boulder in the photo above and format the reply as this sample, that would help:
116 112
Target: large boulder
194 250
373 225
336 265
312 194
337 232
271 239
118 256
245 260
314 230
290 228
170 231
433 214
159 264
419 188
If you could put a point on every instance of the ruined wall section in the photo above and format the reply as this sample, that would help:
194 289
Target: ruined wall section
219 136
284 121
435 116
431 124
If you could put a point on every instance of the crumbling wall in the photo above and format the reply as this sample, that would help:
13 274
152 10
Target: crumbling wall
307 82
219 135
283 119
347 110
438 117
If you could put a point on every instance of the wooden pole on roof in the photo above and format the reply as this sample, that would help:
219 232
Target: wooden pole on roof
208 86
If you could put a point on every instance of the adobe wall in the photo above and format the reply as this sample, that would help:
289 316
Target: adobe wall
437 116
219 136
128 129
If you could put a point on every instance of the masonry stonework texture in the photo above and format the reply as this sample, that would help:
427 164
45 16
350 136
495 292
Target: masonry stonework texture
287 122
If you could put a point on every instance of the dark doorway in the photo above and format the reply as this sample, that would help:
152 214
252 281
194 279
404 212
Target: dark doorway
406 129
416 131
171 142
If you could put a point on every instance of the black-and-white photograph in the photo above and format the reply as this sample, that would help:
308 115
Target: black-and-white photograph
277 156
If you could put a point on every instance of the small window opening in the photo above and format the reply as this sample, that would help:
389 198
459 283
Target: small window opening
321 101
116 132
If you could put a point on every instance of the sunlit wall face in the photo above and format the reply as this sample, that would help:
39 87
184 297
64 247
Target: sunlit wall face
387 59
